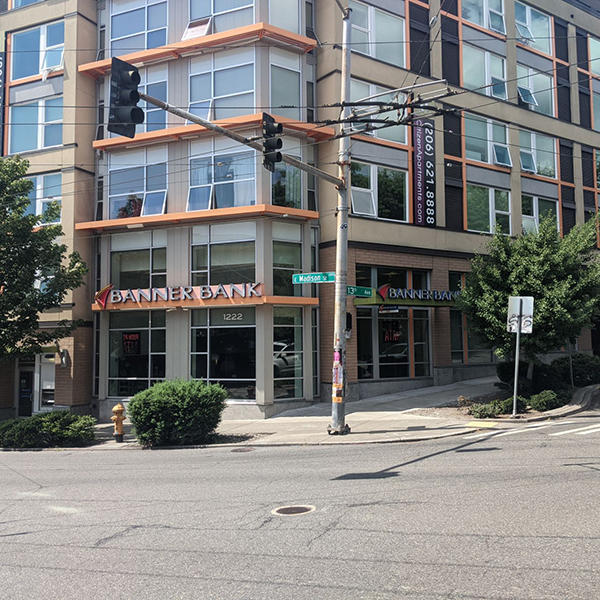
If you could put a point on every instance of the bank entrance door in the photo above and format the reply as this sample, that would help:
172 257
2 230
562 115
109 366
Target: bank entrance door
25 391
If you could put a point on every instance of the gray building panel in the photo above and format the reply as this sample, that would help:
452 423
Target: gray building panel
488 177
480 39
381 155
539 188
535 61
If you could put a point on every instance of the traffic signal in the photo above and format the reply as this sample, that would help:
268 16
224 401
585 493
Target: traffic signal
124 113
272 144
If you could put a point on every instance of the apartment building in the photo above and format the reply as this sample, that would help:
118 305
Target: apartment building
192 243
48 117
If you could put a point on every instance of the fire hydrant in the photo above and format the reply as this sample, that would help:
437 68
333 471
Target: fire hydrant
118 418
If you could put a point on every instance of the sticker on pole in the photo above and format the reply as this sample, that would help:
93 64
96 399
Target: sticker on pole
520 309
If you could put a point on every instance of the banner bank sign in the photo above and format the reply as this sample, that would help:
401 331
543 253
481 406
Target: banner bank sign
231 293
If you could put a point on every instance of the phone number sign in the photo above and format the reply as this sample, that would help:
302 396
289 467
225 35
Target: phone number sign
424 172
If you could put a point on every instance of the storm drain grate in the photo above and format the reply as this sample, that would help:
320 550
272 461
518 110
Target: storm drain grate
289 511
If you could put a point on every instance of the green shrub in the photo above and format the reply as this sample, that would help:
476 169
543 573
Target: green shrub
548 400
484 411
177 412
46 430
505 407
586 369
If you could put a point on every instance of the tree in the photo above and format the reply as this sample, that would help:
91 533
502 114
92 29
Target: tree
562 274
35 272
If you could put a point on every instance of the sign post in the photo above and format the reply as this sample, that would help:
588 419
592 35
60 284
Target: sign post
519 320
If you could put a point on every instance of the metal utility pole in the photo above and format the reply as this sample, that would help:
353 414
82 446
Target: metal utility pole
338 390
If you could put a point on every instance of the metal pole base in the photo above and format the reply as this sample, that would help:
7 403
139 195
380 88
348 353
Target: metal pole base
343 430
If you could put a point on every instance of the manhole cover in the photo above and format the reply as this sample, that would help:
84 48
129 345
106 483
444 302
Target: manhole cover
293 510
242 449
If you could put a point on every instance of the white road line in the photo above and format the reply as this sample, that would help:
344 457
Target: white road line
526 428
575 430
591 431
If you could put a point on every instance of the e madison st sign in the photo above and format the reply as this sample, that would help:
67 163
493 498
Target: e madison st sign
109 298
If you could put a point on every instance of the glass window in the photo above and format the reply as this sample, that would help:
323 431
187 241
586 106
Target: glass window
538 154
379 192
456 336
536 209
377 33
141 267
226 14
230 255
137 25
596 105
222 85
285 92
37 50
138 191
287 260
46 192
36 125
287 352
484 72
486 13
286 187
487 208
536 89
360 90
533 27
392 333
137 351
285 14
154 83
222 181
223 349
594 55
476 138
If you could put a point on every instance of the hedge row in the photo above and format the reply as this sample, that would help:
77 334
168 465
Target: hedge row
48 430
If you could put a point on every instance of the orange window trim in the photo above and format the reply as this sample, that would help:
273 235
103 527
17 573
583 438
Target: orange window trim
480 164
381 142
175 134
258 210
23 80
257 31
499 36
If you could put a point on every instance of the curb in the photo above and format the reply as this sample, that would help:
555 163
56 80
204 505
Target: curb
580 402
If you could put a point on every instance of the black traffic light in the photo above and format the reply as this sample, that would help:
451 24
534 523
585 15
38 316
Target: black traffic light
272 144
124 113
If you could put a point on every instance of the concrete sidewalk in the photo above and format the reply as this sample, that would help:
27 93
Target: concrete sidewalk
382 419
379 419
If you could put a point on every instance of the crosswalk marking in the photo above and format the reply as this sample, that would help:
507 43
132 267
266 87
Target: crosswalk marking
575 430
596 430
511 432
530 427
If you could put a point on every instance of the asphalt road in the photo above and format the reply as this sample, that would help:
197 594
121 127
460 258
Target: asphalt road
496 516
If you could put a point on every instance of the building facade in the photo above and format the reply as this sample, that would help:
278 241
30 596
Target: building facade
48 116
191 243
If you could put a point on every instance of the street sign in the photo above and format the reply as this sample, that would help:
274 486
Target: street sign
359 291
313 278
512 321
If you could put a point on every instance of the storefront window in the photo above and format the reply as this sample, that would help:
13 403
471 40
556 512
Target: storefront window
137 351
421 342
392 331
364 342
223 349
287 352
287 186
228 249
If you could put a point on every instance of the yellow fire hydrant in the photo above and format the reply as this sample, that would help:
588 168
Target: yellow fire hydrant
118 418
